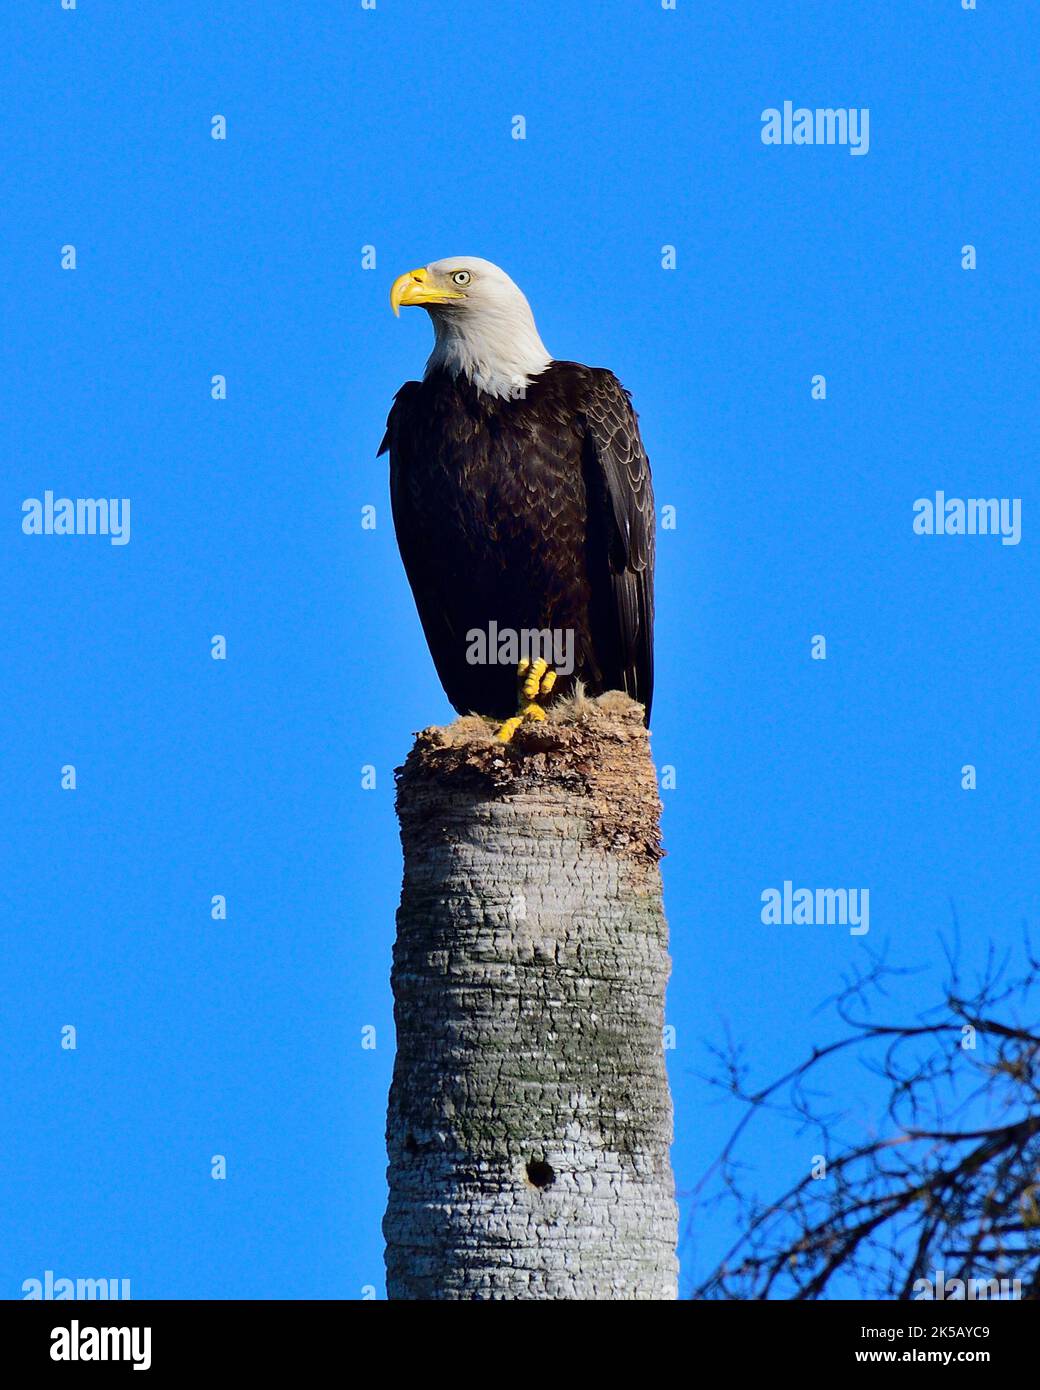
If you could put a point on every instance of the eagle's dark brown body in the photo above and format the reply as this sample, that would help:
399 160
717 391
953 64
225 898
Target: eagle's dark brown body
533 513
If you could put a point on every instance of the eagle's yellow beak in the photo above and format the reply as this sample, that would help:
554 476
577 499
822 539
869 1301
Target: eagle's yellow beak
417 287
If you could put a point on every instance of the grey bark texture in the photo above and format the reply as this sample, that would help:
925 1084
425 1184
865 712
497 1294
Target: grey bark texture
530 1121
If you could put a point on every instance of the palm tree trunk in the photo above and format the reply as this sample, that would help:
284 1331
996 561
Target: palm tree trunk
530 1121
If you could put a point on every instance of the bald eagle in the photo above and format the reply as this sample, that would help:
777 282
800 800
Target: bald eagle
522 503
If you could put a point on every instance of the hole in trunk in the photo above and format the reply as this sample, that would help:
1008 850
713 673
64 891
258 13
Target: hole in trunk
540 1173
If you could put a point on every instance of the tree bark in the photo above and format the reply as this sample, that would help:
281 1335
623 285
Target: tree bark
530 1121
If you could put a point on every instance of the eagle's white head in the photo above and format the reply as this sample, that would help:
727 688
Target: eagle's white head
483 324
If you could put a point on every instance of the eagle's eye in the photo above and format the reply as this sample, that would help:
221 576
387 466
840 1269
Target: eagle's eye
461 278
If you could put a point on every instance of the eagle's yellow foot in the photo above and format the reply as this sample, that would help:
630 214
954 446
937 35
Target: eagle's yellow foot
529 677
533 679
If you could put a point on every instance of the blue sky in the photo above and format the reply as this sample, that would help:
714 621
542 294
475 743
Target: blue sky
392 128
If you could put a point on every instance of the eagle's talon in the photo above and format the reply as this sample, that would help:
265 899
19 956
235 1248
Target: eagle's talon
533 679
529 714
530 675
